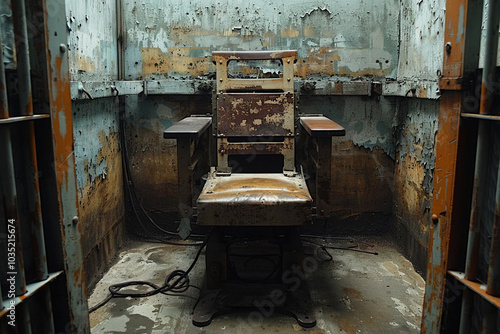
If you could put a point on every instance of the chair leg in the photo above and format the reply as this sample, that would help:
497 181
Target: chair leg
289 294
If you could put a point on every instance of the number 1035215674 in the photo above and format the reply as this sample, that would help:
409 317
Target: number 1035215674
11 245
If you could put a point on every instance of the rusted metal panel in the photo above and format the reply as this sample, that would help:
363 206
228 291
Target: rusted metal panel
254 200
442 205
58 79
460 54
255 114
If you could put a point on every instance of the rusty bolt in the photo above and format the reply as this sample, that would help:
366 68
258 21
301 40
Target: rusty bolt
75 220
220 80
435 219
448 47
288 79
288 61
220 62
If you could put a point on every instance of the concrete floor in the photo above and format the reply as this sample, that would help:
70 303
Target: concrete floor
354 293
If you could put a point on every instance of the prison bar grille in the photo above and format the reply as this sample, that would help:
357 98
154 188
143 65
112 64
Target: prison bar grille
34 281
464 200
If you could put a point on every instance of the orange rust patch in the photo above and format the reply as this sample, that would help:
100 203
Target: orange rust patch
175 60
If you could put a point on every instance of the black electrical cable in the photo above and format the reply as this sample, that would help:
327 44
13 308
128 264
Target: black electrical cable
326 237
131 188
342 248
175 282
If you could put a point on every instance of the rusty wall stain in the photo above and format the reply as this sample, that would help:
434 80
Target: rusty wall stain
179 36
99 181
175 60
362 180
153 160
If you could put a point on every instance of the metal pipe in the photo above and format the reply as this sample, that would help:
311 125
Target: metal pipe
490 312
490 56
4 105
7 183
23 57
34 204
483 138
23 322
493 284
29 156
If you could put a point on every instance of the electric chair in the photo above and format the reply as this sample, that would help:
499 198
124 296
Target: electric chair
256 194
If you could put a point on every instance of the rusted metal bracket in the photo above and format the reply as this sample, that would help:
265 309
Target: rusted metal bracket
451 83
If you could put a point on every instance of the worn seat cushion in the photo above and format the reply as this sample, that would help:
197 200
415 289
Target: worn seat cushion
254 200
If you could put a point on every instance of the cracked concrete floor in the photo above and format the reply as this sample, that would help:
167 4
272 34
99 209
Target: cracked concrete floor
353 293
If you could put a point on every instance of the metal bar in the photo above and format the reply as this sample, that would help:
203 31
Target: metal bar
23 60
9 194
4 105
490 56
31 289
480 116
23 321
58 81
120 31
478 288
461 49
489 318
493 286
322 87
34 204
26 109
323 176
185 184
480 183
18 119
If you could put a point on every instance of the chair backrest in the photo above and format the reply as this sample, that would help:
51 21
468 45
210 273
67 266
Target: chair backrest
254 117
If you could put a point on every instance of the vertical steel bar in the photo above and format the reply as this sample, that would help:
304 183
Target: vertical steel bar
22 54
487 89
31 166
61 117
490 56
7 182
480 184
23 321
461 46
489 318
4 105
493 284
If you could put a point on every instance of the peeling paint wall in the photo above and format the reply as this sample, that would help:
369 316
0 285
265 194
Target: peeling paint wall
99 181
338 38
384 164
92 52
153 160
414 172
92 45
421 39
421 57
363 160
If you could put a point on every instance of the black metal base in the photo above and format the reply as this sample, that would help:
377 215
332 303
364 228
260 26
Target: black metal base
265 299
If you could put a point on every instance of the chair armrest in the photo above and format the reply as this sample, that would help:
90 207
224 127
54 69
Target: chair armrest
189 127
320 126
